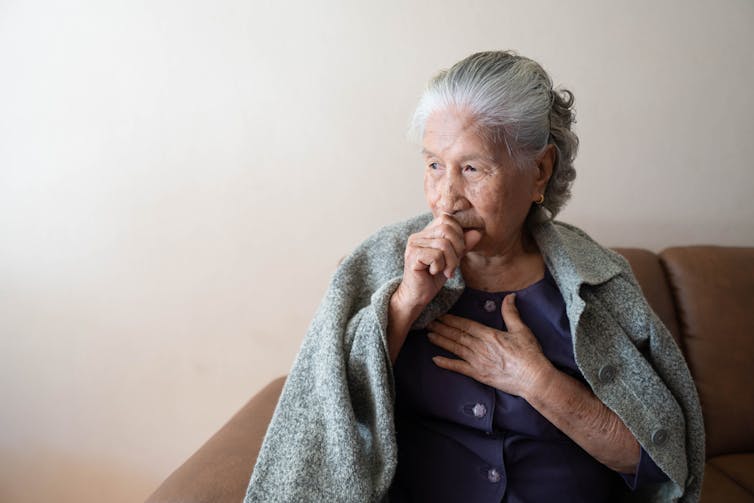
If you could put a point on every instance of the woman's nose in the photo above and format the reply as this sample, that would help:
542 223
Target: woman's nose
451 194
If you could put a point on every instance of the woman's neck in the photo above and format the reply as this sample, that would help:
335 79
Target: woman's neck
510 268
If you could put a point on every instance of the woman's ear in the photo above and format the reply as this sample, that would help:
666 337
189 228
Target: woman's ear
545 163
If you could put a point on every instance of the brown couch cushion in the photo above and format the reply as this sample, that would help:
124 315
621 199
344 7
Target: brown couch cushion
717 487
651 277
220 470
707 281
738 467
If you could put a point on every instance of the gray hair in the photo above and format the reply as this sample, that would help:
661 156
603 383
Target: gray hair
514 104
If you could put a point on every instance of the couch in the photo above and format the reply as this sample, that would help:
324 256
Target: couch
704 295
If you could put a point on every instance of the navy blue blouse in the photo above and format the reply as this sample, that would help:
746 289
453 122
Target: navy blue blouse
461 440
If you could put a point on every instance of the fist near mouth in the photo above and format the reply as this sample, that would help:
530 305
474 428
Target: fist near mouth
432 255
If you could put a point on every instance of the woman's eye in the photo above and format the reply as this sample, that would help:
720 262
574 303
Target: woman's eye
434 165
472 171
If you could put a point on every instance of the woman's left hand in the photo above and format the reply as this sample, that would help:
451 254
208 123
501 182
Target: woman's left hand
510 361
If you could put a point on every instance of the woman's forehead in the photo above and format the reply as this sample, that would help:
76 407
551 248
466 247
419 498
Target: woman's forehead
455 133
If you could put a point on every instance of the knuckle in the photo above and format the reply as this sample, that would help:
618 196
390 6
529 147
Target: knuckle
446 228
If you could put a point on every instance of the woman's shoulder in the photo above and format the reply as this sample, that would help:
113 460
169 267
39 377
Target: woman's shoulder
576 235
613 255
568 246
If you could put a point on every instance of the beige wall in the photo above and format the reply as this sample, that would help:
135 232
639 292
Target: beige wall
179 178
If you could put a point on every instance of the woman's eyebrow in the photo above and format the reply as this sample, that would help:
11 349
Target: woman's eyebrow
464 158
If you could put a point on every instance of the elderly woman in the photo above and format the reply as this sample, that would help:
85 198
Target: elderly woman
486 352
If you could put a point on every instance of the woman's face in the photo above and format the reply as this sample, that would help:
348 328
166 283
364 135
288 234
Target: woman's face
477 183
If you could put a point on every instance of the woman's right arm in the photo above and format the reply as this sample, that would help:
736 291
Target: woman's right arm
399 321
432 256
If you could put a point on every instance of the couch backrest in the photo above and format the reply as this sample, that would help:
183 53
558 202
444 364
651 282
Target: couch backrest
713 289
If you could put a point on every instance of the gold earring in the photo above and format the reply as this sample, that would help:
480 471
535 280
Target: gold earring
541 199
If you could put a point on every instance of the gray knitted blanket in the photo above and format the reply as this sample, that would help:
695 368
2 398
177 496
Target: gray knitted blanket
332 436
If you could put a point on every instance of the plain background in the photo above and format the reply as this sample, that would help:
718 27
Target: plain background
178 180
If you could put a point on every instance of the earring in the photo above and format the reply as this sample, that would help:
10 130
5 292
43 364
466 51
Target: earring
541 199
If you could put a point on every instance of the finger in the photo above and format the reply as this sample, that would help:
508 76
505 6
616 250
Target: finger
452 333
452 259
429 258
459 366
448 344
463 324
437 266
449 219
511 317
471 238
435 237
445 227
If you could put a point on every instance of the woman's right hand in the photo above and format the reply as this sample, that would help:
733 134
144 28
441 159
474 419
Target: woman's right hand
431 258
